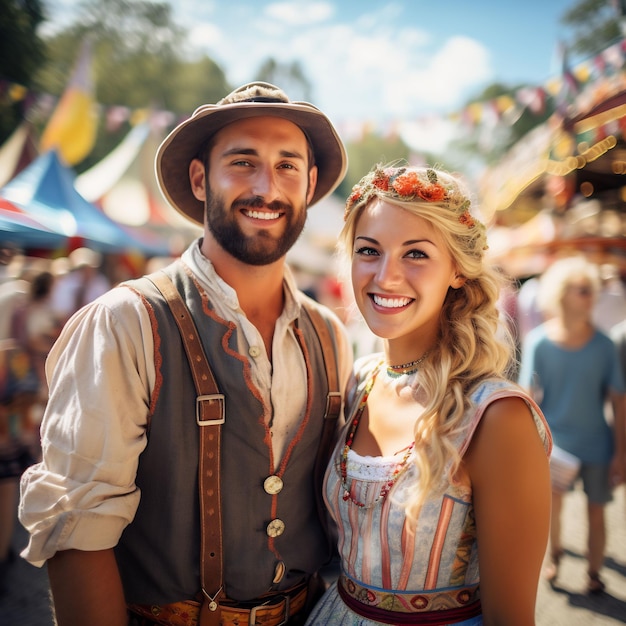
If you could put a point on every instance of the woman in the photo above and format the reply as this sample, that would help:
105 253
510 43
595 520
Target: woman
440 484
573 370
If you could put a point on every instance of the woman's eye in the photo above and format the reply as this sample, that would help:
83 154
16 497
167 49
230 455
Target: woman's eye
365 251
416 254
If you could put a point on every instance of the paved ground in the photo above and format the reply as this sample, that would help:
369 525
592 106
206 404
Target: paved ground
26 601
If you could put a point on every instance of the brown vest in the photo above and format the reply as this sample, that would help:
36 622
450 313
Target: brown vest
159 551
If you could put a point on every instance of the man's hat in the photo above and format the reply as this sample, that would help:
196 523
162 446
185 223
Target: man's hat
252 100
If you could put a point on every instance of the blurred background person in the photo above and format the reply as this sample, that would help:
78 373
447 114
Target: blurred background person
527 313
610 306
19 385
36 326
82 284
571 368
618 334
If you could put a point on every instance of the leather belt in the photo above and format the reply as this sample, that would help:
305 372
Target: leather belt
275 610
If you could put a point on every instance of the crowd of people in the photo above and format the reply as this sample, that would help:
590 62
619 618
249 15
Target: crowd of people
216 445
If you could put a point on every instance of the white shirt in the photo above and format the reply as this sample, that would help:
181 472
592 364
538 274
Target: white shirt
101 371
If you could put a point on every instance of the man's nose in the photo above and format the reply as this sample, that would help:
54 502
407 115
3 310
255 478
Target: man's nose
265 184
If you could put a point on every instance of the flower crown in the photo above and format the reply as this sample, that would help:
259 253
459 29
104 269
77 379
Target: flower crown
409 184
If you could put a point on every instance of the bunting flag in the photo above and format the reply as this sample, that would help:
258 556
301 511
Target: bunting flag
72 128
570 86
18 151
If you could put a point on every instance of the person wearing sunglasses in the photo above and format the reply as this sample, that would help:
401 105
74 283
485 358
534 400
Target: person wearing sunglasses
572 369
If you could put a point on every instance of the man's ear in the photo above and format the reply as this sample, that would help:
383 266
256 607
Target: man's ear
197 179
312 184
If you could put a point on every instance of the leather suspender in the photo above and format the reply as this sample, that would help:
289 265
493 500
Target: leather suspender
210 415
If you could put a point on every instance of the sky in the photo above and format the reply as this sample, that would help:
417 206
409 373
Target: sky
371 61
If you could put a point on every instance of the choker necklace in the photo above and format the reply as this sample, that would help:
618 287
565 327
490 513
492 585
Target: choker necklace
395 371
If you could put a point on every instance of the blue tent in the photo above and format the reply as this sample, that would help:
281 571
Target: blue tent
45 191
17 228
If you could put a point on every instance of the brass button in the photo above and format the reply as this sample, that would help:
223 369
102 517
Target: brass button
275 528
273 485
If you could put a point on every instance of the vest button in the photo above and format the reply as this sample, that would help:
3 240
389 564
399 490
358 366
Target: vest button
273 485
275 528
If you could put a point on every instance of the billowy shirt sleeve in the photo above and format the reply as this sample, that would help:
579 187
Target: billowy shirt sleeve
101 373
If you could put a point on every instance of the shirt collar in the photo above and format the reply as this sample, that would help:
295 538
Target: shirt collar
214 284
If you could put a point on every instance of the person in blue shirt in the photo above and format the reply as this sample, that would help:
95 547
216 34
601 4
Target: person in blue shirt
572 369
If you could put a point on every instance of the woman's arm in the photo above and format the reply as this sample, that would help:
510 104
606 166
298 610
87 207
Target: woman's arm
509 470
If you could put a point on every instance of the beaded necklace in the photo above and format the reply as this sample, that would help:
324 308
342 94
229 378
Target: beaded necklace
343 463
396 371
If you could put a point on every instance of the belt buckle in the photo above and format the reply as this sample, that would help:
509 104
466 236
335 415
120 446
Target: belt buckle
253 611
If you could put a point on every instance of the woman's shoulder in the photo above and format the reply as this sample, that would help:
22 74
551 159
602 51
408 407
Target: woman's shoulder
484 390
487 392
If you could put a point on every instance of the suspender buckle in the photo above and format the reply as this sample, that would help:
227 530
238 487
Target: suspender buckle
211 398
333 404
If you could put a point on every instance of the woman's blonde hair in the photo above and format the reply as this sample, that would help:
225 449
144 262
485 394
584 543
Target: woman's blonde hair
473 342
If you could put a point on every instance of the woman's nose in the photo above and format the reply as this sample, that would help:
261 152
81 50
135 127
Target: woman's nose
389 272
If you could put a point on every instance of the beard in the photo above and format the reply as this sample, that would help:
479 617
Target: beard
262 248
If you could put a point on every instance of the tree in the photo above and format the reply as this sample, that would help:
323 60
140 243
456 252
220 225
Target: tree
596 24
370 149
290 76
138 63
21 53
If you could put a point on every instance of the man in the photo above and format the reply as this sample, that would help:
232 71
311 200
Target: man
114 506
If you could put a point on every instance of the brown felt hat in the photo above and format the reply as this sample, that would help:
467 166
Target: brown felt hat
252 100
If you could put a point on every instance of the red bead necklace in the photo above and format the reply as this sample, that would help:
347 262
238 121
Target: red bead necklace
343 463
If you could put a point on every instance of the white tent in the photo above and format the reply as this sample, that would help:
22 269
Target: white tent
124 185
17 152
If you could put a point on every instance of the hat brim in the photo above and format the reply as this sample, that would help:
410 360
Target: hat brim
185 141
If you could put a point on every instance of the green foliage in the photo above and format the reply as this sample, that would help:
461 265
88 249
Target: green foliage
596 24
138 63
20 47
365 153
21 53
289 76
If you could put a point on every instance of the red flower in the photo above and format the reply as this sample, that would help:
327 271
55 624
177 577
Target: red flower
432 193
381 182
407 184
467 220
355 196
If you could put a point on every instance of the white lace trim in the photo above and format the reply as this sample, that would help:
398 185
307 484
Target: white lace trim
371 468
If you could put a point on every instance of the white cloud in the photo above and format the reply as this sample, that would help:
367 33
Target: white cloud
300 13
369 68
428 134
